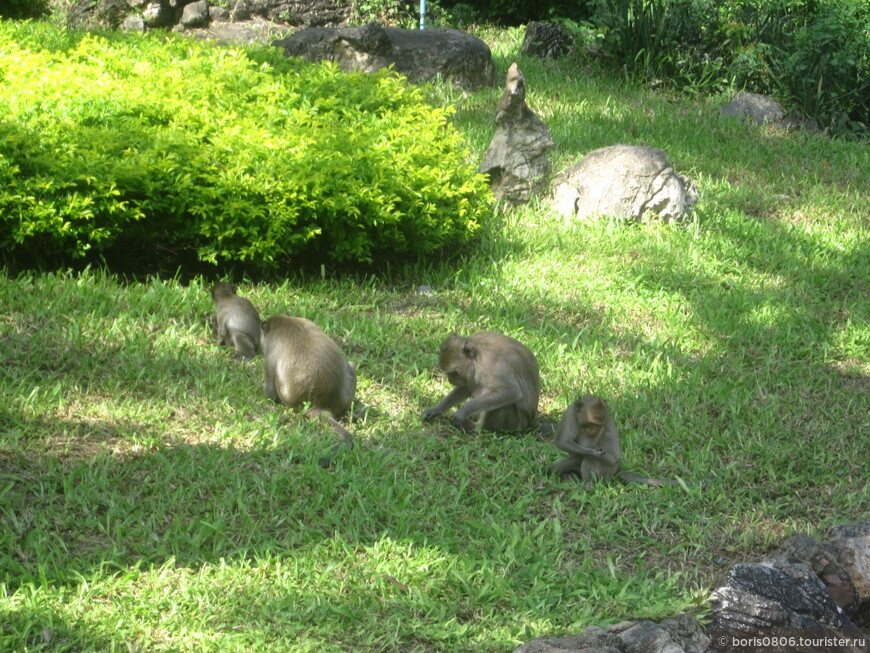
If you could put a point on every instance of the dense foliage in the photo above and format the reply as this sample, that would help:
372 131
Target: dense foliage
125 146
813 55
22 8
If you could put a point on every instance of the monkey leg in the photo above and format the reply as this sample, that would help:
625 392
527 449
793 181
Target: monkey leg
567 466
346 438
245 346
269 386
500 419
592 470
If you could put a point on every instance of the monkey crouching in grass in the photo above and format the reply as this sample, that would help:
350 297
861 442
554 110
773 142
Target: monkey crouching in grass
587 433
304 366
497 375
238 322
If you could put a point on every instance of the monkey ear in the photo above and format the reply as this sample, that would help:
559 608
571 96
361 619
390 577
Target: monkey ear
264 326
469 350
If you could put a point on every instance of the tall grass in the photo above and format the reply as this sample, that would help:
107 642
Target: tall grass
151 498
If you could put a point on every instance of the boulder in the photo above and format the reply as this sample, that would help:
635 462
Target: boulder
546 40
624 182
803 584
195 14
516 160
761 110
758 109
680 634
111 14
133 24
420 55
88 15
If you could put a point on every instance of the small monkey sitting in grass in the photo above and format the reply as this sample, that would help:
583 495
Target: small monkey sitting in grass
587 433
238 322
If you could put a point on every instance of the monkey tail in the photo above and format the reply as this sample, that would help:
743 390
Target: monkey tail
346 440
628 477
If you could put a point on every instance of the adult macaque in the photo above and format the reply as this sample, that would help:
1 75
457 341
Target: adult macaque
238 323
497 375
304 366
587 433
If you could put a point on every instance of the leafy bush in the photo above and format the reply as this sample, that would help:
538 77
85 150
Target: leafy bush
23 8
516 12
814 55
129 145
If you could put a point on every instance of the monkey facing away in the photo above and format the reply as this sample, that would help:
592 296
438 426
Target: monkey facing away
587 433
498 376
304 366
238 323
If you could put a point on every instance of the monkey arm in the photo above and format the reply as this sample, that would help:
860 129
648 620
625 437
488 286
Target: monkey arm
575 449
495 398
454 397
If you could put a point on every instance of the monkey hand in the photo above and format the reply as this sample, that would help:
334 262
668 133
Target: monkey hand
462 423
430 413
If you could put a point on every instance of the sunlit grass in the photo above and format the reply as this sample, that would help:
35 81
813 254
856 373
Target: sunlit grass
151 498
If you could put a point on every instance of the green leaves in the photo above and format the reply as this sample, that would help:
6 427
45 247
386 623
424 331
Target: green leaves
239 155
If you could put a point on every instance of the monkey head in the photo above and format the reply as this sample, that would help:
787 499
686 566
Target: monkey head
457 360
590 413
223 289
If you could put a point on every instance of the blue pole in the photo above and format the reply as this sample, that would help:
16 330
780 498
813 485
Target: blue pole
422 14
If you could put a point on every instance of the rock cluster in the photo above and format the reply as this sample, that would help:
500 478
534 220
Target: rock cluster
820 591
546 40
186 15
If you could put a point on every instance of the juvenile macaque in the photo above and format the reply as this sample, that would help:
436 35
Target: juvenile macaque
238 323
497 374
304 366
587 433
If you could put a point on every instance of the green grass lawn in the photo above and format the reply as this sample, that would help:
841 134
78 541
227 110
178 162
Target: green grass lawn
153 499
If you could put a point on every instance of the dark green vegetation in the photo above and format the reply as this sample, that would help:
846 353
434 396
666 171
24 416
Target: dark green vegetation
151 498
813 55
152 151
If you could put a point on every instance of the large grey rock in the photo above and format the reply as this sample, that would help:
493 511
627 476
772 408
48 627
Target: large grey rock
86 14
687 633
592 639
850 547
761 110
624 182
516 160
195 14
765 595
680 634
420 55
166 13
756 108
133 24
546 40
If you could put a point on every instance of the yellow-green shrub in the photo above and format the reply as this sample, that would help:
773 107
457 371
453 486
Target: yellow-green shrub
126 144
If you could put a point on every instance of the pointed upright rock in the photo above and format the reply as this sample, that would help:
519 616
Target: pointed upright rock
516 161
